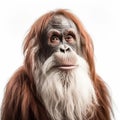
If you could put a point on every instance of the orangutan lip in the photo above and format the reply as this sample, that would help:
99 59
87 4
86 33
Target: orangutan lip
66 67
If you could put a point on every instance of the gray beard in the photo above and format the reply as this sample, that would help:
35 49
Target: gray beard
67 95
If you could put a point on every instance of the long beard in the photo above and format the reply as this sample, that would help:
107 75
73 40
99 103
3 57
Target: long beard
67 95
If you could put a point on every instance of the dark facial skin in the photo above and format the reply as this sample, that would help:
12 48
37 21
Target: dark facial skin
62 35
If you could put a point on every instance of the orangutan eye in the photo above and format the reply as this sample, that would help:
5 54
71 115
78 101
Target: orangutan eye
70 38
54 39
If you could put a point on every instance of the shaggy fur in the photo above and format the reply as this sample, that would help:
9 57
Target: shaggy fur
40 91
69 93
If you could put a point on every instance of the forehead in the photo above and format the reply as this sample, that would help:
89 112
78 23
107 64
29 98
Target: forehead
61 23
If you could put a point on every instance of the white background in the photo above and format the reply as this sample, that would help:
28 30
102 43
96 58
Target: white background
100 18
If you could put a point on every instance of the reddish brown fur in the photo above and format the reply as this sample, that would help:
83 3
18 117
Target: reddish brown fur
21 101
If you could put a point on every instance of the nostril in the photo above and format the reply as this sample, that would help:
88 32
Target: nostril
68 49
62 50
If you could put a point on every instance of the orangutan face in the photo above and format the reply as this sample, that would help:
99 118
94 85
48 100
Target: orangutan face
62 79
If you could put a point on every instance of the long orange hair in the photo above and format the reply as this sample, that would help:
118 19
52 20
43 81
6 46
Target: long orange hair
21 101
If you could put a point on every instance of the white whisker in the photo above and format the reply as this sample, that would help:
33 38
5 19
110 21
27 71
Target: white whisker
68 94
